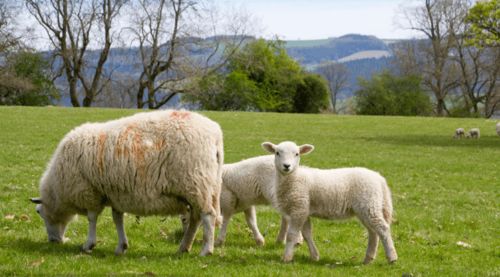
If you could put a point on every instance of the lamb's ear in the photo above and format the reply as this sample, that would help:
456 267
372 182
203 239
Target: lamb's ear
269 147
306 149
37 200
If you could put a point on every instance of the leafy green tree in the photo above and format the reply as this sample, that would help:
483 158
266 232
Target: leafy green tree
387 94
311 95
484 20
25 81
261 77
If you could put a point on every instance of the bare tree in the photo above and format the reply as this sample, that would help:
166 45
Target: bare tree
337 76
73 27
435 20
178 44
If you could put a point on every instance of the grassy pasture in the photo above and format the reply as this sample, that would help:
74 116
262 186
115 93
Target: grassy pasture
445 191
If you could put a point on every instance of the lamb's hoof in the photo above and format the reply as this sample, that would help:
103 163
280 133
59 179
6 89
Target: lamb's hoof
368 260
260 242
205 253
393 261
287 259
315 258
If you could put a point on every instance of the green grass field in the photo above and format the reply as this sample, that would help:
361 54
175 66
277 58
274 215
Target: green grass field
445 191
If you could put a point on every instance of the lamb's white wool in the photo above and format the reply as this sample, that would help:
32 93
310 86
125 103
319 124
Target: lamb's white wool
302 192
459 133
474 133
245 184
150 163
498 128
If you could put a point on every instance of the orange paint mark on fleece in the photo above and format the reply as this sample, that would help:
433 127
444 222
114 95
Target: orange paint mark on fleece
180 115
101 141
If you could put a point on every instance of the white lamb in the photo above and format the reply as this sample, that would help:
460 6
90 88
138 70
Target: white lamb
459 133
165 162
245 184
474 133
331 194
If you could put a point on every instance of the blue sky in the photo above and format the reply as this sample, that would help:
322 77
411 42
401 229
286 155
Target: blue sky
316 19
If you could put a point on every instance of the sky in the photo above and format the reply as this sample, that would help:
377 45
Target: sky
319 19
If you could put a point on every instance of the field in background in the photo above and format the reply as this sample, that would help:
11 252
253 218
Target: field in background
446 196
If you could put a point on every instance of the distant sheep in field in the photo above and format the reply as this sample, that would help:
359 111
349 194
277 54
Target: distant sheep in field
459 133
473 133
245 184
302 192
498 128
155 163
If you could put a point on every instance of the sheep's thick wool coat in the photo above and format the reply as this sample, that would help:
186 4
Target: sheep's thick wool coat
148 163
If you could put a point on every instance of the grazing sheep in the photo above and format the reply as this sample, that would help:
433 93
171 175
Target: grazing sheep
498 128
473 133
302 192
156 163
459 133
245 184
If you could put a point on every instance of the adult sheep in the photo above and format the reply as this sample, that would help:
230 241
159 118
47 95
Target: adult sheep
302 192
245 184
155 163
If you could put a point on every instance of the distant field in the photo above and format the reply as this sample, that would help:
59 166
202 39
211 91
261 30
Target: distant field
446 196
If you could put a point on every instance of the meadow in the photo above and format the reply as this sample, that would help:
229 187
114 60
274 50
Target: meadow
446 196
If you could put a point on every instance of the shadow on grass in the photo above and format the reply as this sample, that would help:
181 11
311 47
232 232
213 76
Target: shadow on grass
439 141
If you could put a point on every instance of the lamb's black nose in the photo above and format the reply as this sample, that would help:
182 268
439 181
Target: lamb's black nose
286 166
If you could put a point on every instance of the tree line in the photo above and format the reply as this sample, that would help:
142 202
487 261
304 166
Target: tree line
453 70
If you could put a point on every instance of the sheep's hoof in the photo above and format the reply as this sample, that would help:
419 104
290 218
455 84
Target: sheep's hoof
121 249
393 261
315 258
88 248
287 259
218 243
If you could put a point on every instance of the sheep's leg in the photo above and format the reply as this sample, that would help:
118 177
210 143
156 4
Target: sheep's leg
120 229
208 234
292 237
283 230
251 219
91 238
189 234
307 234
382 229
226 218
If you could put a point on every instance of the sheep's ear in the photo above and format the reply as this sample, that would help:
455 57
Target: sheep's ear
269 147
306 149
37 200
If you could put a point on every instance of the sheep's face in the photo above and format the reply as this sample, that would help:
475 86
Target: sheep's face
55 230
287 155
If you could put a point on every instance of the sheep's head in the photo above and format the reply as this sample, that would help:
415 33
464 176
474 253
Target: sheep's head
55 229
287 155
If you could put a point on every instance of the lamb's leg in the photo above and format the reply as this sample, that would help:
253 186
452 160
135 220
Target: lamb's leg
283 230
189 234
307 234
208 234
293 237
120 229
226 218
91 238
382 229
252 223
371 251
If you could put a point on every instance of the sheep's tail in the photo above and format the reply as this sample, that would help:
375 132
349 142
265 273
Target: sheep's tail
387 205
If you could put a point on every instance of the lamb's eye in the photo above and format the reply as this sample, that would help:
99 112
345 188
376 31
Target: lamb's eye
296 154
277 153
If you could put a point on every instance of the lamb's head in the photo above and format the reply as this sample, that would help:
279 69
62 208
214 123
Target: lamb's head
55 228
287 155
